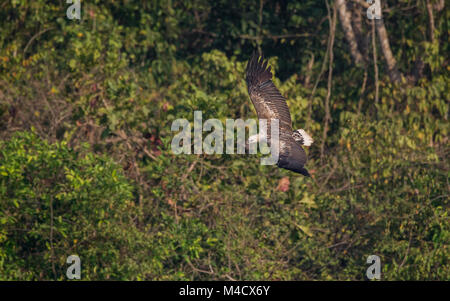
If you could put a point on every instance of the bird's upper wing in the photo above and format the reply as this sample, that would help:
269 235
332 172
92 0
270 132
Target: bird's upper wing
267 99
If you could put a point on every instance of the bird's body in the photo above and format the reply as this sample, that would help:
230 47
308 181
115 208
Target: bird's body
270 104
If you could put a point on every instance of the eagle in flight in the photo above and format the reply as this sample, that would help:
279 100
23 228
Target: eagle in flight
270 104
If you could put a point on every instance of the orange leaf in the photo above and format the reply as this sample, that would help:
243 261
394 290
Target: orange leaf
283 185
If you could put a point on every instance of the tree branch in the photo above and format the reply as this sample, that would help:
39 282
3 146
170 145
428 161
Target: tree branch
330 76
375 62
431 20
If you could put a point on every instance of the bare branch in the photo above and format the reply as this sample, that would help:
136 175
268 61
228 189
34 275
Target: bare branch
375 62
330 76
275 37
431 20
34 37
259 41
363 89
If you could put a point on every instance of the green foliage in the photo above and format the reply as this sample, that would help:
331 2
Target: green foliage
56 202
86 108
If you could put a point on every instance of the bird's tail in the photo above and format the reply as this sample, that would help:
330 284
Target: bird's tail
302 137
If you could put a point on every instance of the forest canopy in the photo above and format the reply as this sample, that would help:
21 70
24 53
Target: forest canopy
86 166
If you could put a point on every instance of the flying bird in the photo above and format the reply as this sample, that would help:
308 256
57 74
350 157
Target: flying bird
270 104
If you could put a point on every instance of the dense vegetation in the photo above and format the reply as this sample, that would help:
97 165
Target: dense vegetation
86 108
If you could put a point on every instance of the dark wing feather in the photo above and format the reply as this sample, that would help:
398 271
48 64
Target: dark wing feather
292 156
267 99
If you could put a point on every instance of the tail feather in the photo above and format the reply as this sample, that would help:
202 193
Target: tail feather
302 137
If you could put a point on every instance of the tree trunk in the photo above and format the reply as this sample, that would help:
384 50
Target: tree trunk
391 62
345 18
361 36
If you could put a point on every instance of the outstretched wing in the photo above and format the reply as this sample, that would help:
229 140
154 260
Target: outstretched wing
267 99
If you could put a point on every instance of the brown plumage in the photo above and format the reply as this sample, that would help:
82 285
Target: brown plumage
270 104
